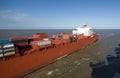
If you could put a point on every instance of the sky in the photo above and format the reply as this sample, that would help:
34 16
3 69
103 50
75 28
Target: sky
59 14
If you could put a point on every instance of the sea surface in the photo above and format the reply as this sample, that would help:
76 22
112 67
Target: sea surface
99 60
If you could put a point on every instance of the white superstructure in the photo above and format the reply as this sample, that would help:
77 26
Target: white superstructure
84 30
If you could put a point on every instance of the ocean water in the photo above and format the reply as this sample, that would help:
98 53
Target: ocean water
16 33
99 60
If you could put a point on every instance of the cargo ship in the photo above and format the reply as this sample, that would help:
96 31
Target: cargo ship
22 55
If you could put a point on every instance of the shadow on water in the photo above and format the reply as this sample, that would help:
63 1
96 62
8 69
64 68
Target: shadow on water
109 68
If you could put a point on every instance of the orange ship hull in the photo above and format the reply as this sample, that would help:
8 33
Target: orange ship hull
22 65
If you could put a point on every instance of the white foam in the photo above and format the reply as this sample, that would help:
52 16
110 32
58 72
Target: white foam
49 73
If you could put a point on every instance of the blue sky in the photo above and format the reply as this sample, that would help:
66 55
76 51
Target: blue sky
59 14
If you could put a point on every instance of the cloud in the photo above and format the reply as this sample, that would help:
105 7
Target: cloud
9 19
5 11
9 15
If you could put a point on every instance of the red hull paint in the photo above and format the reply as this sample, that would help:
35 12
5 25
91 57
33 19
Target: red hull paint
19 66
